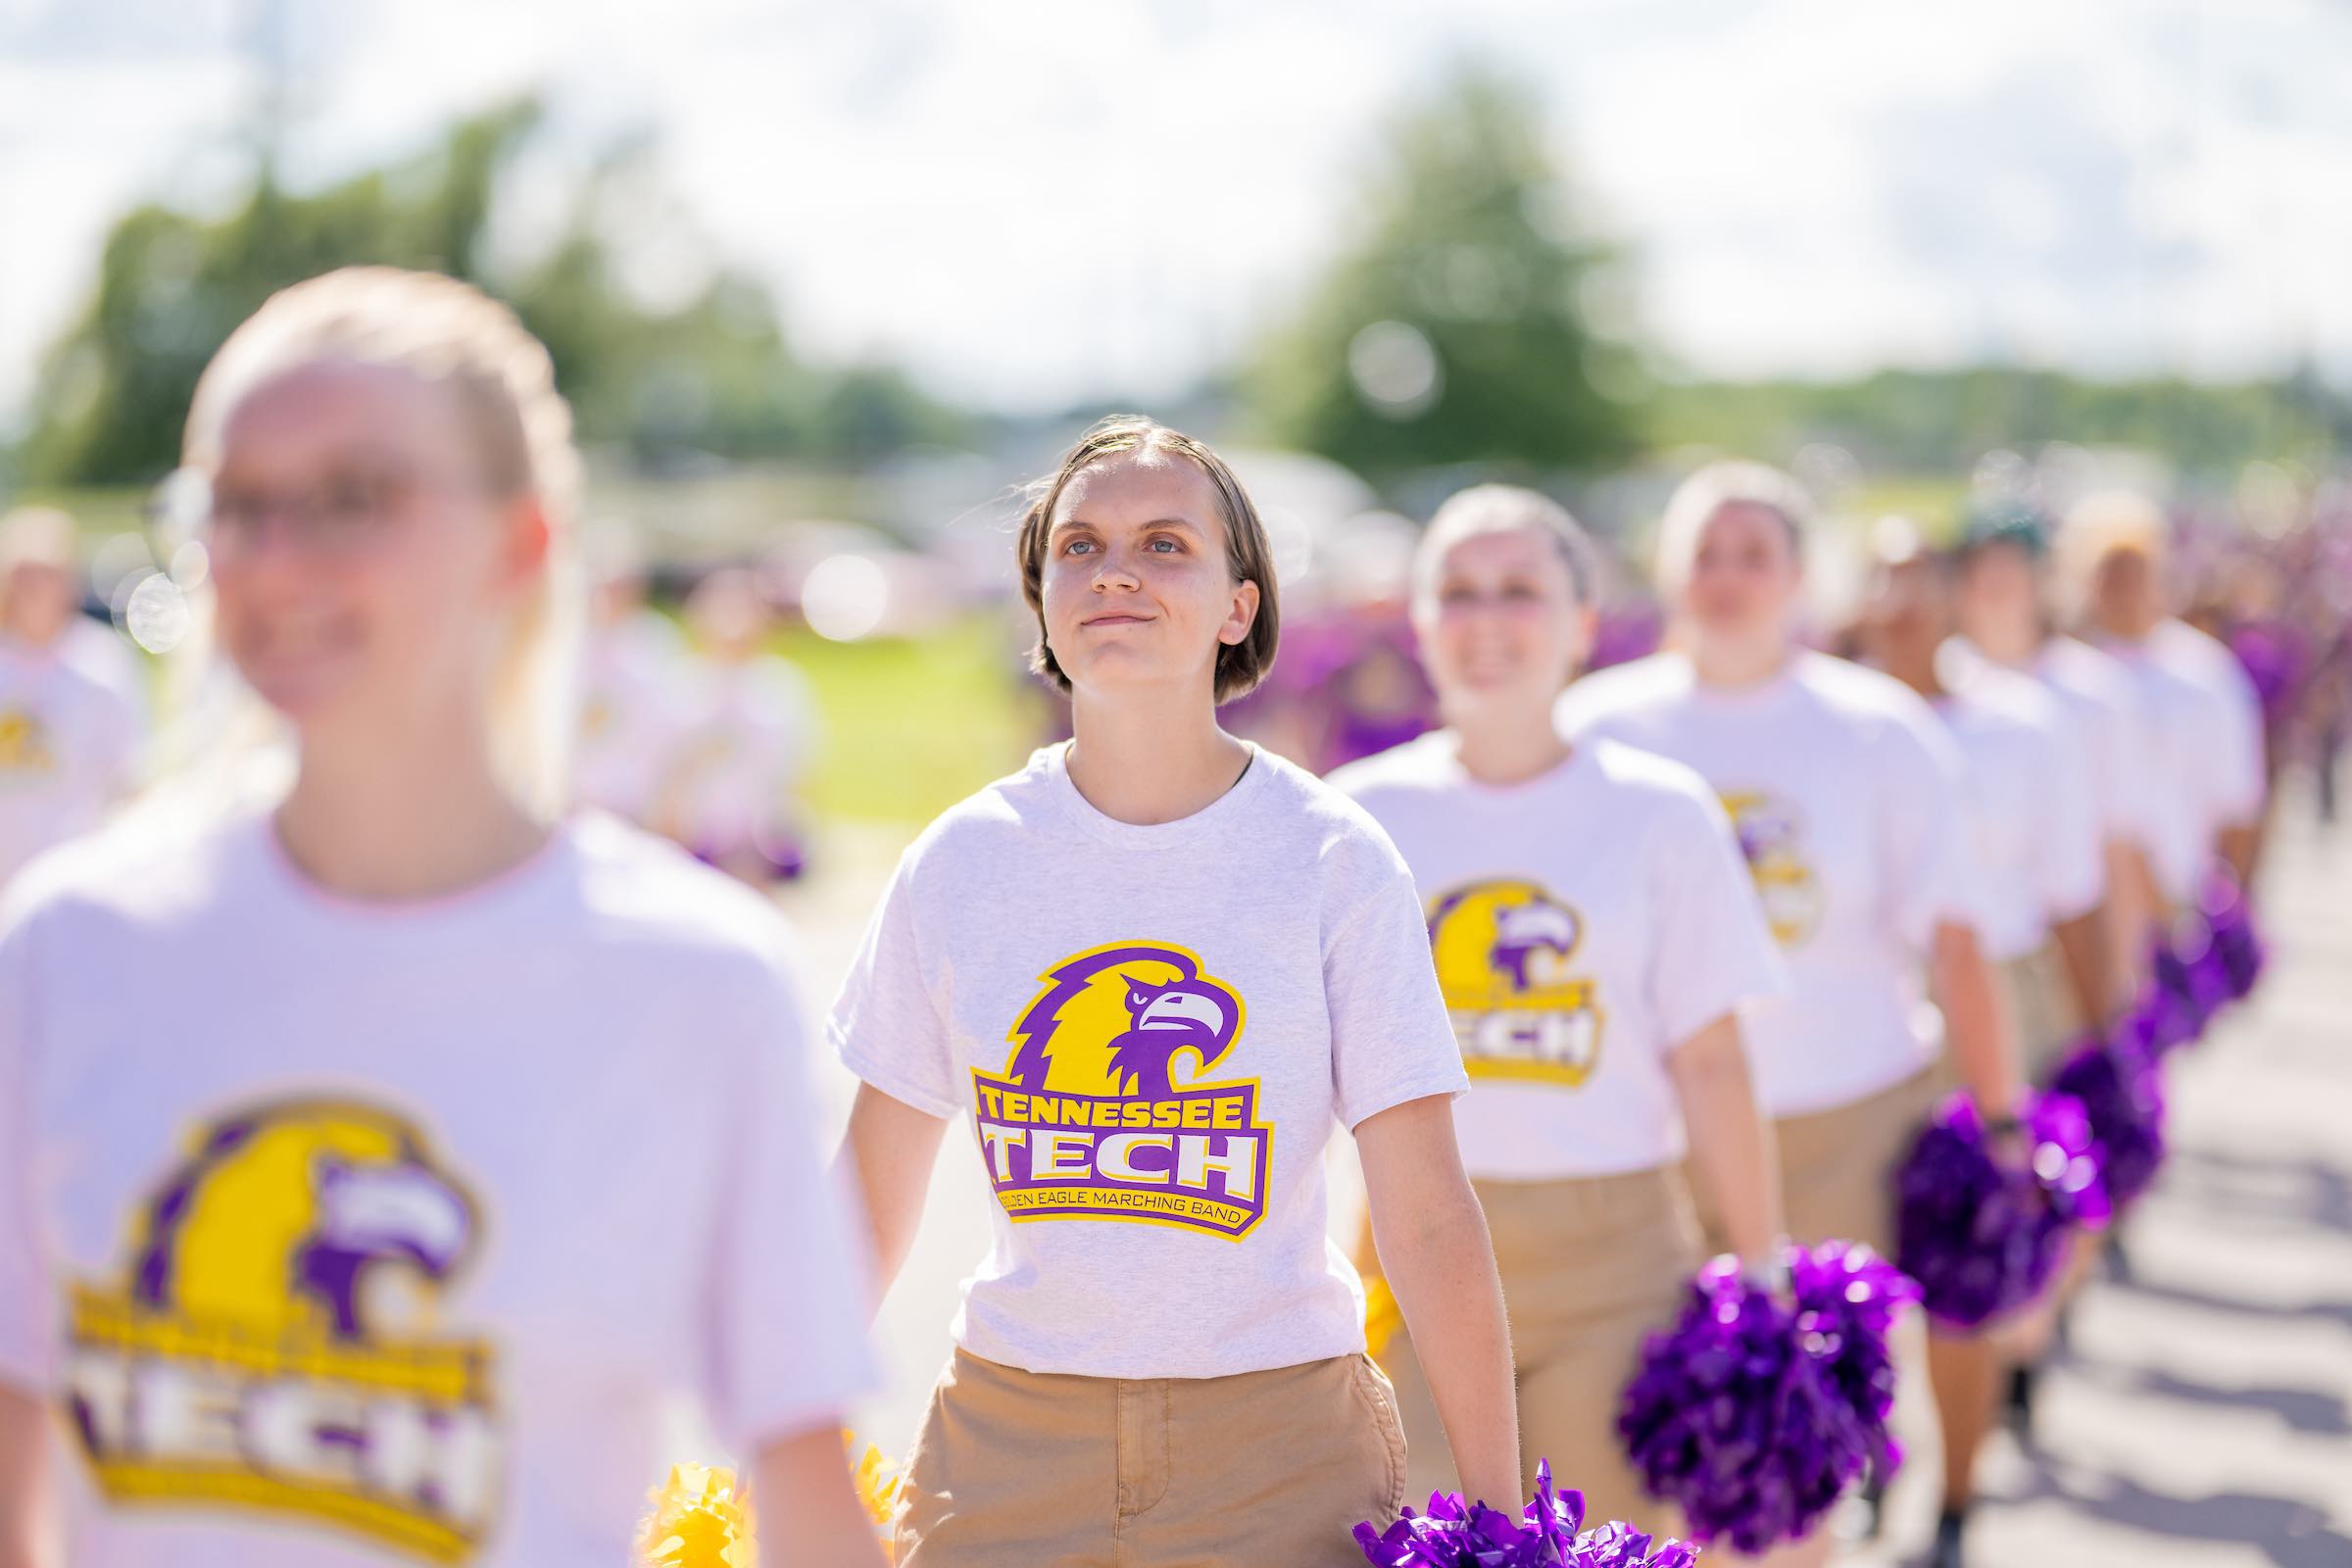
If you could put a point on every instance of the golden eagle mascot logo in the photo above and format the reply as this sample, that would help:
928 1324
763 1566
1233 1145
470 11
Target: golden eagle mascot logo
286 1277
1504 952
1102 1110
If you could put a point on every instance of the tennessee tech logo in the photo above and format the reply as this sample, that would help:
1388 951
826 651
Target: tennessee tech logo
1772 839
1089 1120
1502 951
25 749
272 1348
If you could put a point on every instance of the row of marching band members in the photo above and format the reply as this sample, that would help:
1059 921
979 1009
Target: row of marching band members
469 1135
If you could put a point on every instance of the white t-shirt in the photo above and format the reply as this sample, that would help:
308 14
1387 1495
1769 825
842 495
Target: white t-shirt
359 1235
2235 780
2031 811
1153 1028
67 745
635 705
750 734
1584 925
109 657
1845 795
2204 775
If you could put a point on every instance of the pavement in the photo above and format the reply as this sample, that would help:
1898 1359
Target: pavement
2197 1414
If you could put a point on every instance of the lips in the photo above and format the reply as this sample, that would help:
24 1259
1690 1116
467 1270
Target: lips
1115 618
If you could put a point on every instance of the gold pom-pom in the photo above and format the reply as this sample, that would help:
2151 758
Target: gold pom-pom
699 1520
878 1483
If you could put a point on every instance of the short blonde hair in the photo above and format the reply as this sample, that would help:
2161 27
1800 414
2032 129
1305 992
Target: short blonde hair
36 536
456 337
1710 489
2108 522
1240 666
1509 509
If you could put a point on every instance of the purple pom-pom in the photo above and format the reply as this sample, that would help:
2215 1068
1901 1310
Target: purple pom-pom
1752 1414
2122 1094
1980 1238
2234 950
1454 1534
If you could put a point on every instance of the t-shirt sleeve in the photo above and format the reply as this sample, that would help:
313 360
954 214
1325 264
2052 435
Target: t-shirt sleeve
26 1341
1391 1039
2236 758
1715 951
886 1024
791 1351
1923 836
2069 855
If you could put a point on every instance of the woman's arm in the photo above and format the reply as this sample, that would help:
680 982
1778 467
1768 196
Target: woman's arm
1731 1141
1439 1260
806 1481
27 1540
1976 1021
890 1148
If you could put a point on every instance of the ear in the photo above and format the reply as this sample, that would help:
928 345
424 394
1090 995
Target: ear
529 539
1587 629
1240 616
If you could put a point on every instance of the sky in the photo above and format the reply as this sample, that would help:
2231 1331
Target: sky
1035 203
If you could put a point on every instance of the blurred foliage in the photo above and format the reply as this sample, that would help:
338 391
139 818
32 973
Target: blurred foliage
711 372
1469 242
1943 421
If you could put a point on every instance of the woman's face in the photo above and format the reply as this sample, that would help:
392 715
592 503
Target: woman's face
362 571
1743 576
1137 587
1501 624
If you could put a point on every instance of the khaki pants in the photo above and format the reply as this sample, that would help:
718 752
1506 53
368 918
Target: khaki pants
1838 1165
1017 1469
1590 1267
2041 1001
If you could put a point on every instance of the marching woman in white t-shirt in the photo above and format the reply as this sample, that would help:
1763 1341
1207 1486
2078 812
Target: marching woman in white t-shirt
1596 937
1846 795
1155 966
2112 548
69 739
381 1167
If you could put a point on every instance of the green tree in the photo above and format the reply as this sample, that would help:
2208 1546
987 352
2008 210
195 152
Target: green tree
1455 329
713 374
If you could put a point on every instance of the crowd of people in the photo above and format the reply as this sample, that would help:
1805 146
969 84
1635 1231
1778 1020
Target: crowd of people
385 1152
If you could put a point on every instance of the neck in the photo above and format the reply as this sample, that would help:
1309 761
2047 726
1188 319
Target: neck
1507 749
2012 645
1148 761
1915 670
1737 664
408 817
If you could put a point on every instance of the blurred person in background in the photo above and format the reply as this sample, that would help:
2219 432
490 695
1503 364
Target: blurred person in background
470 1137
1843 789
1162 929
2003 617
2033 828
1596 937
635 685
2113 554
70 735
748 737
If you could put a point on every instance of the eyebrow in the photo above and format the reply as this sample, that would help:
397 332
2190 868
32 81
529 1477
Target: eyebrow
1185 525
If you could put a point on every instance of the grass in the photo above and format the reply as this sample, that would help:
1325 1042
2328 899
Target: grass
912 725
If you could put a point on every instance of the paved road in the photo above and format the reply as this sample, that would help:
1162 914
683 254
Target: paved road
2200 1415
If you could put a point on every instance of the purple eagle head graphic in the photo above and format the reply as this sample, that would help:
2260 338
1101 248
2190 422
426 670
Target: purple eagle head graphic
1120 1002
1764 831
1523 930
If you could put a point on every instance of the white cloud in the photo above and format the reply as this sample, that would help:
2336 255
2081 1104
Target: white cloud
1040 202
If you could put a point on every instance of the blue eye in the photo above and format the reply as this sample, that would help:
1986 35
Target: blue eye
1172 545
1077 545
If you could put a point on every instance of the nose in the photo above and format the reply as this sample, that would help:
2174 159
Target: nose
1115 572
